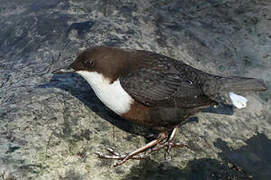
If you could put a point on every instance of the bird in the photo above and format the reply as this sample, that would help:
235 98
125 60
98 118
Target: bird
154 91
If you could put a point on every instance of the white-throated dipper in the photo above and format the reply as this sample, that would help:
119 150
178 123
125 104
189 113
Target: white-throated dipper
154 90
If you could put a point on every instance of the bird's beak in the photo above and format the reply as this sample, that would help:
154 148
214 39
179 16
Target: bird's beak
64 70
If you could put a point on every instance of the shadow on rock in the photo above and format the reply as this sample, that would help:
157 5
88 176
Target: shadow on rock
252 161
210 169
220 109
79 88
255 157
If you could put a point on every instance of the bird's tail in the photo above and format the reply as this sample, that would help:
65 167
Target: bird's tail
239 84
216 85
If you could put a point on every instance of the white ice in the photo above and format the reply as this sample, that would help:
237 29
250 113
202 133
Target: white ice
238 101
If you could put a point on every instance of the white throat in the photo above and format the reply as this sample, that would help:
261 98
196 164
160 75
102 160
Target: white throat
112 95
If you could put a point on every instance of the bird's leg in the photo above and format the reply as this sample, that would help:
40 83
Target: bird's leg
134 155
171 138
169 143
162 141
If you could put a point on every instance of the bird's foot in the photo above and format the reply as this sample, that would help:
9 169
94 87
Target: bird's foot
118 156
135 154
168 145
125 157
161 142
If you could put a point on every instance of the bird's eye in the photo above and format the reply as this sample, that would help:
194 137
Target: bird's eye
89 63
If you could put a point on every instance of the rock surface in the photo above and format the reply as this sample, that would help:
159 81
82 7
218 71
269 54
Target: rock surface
51 126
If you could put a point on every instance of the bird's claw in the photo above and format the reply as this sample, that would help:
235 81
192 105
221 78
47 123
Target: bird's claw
160 142
122 157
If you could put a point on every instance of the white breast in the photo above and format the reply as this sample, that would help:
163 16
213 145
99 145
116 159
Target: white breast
112 95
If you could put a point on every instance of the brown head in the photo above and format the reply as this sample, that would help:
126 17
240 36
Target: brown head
111 62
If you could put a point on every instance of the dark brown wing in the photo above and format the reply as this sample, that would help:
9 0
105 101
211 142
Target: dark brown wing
164 81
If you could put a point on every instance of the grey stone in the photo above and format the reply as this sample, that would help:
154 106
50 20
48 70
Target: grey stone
51 125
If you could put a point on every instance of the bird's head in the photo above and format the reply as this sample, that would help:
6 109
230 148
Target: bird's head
103 60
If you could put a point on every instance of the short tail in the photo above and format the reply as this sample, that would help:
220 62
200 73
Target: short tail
217 84
239 84
214 86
